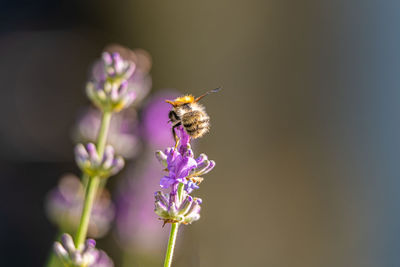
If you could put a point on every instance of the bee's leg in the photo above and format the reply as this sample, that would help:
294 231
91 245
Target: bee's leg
174 134
176 144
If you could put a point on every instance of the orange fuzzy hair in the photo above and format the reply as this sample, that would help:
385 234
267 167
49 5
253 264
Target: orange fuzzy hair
186 99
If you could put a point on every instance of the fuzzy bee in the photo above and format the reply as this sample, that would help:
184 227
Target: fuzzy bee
188 112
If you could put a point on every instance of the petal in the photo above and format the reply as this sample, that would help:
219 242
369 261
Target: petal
185 166
183 136
166 182
190 186
201 158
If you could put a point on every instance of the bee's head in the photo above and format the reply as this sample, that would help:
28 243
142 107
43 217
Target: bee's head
182 100
188 99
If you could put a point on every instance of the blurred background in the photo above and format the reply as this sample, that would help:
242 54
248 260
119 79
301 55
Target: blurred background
305 132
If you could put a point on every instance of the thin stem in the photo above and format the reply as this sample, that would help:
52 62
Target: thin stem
102 137
101 141
90 196
174 232
93 183
85 180
171 244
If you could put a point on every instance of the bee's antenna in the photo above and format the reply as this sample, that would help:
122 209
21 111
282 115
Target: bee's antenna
209 92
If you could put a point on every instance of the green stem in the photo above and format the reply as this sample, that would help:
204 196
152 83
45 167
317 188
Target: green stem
173 233
101 141
90 196
171 244
93 183
181 186
102 137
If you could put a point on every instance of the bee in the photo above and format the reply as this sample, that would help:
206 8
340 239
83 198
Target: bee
188 112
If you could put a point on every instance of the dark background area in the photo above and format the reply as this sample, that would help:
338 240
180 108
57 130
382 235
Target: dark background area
305 132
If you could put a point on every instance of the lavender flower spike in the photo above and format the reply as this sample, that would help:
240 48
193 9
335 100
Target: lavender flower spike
111 93
90 162
183 168
181 164
84 256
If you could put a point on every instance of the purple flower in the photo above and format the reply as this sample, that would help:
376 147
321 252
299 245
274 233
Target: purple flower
184 141
190 186
140 81
183 168
122 134
120 78
171 210
90 162
110 96
116 67
181 165
64 207
85 256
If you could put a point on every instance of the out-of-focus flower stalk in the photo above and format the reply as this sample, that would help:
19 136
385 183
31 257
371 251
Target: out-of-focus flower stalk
85 255
93 182
110 93
116 82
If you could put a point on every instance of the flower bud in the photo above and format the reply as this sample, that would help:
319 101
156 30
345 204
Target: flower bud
109 95
162 158
89 161
203 168
85 256
169 208
182 166
116 67
109 90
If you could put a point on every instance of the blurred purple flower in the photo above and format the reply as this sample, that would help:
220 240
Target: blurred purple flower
116 67
110 91
155 128
90 162
64 207
122 133
85 256
127 67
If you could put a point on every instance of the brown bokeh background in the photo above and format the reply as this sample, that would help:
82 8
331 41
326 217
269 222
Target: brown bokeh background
304 133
